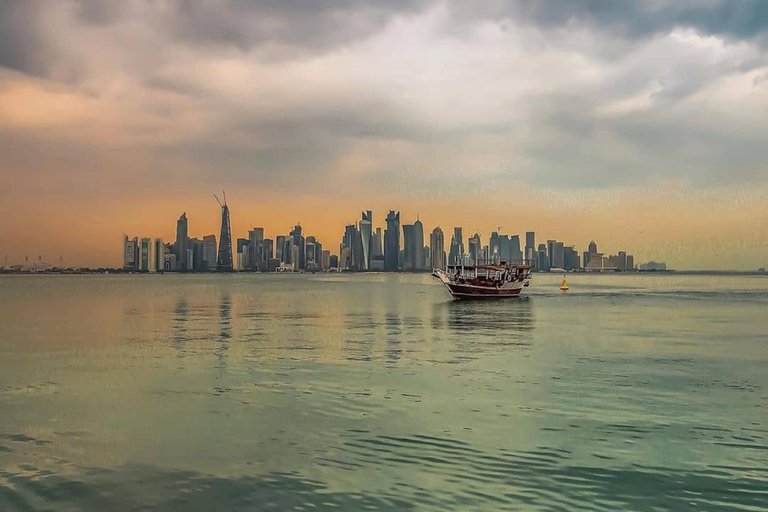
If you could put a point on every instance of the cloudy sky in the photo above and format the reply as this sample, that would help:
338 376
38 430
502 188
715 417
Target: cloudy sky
643 125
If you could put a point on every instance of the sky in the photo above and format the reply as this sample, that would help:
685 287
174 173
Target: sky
642 125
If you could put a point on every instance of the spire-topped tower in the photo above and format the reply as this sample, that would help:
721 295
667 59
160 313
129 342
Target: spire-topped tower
224 262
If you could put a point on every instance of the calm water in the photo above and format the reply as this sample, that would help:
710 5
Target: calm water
375 392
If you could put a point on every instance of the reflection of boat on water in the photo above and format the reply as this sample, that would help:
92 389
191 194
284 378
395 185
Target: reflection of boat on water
494 281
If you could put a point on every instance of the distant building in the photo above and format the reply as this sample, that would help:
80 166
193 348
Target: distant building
542 259
145 255
475 249
224 261
169 262
392 242
570 258
334 261
437 248
210 259
298 250
241 246
159 254
530 248
182 243
366 239
418 241
409 247
376 249
326 260
130 253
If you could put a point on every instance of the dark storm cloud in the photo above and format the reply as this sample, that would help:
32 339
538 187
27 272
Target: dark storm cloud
20 46
739 19
302 27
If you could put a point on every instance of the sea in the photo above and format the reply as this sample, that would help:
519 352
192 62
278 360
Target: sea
376 392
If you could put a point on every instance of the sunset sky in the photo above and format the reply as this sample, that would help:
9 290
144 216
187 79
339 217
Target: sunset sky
641 125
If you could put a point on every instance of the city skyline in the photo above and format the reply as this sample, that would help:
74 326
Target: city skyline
636 123
362 248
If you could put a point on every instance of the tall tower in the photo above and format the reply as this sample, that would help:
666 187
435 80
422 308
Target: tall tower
392 242
182 242
437 248
418 239
224 262
366 232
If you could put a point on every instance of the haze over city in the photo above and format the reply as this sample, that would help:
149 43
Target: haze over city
641 125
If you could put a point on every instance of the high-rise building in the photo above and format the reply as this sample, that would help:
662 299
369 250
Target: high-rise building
326 260
255 248
267 252
592 247
366 241
409 247
515 254
437 248
224 261
298 249
456 254
530 247
209 259
376 243
242 253
622 258
570 258
159 254
195 255
542 262
418 241
145 255
392 241
558 258
475 249
280 251
182 243
130 253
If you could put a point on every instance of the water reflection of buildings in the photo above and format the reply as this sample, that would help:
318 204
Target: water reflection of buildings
225 330
500 323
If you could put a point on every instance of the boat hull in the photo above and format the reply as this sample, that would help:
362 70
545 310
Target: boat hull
464 292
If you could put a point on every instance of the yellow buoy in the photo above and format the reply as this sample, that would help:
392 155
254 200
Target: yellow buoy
564 286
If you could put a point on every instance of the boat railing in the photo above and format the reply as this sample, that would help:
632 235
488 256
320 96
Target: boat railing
494 261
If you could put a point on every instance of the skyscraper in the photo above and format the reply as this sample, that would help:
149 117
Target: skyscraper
377 240
224 262
299 250
409 247
130 253
392 241
530 247
366 231
145 255
437 248
182 243
458 239
475 248
418 241
210 261
255 248
542 262
158 253
515 254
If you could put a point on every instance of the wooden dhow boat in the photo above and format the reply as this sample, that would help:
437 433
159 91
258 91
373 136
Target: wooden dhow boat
485 281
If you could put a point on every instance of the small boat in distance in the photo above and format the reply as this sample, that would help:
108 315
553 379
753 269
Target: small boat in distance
485 281
564 286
